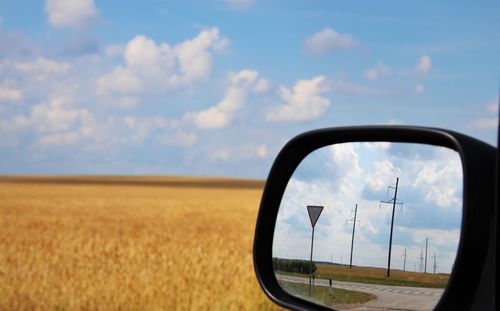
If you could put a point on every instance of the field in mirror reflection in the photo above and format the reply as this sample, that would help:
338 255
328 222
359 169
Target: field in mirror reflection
356 185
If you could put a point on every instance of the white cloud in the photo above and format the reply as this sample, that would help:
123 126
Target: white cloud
383 175
65 138
127 101
44 66
220 154
262 86
344 156
424 65
235 97
261 151
238 152
54 116
328 40
303 102
70 13
379 70
160 67
419 88
10 95
114 50
440 182
425 211
393 122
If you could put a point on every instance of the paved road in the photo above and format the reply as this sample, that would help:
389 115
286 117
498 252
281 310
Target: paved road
388 297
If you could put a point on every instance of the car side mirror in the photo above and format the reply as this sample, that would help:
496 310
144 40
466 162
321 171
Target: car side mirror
417 191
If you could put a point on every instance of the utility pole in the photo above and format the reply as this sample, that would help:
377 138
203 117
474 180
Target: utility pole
404 262
353 229
435 264
394 202
421 259
426 243
414 267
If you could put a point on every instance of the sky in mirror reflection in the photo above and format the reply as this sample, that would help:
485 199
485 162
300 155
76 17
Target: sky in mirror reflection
343 175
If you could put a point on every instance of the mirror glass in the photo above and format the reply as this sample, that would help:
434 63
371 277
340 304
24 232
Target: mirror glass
370 225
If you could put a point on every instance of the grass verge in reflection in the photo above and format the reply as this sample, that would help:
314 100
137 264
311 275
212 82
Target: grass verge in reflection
326 295
371 275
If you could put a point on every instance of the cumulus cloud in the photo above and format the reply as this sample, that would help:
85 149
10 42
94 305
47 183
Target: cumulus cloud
303 102
55 115
74 13
424 65
159 67
235 98
10 95
262 86
430 190
379 70
382 176
328 40
114 50
440 183
345 156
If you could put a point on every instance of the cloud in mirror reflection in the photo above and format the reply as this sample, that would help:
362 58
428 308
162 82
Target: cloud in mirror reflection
339 176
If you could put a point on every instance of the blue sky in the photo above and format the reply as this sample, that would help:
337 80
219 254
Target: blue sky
215 88
340 176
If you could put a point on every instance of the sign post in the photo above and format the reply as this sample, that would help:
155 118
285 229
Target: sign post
314 211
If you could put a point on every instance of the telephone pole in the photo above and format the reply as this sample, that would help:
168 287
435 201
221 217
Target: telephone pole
394 202
353 230
435 264
426 243
421 259
404 262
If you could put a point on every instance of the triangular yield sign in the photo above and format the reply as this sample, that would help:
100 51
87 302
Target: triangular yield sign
314 212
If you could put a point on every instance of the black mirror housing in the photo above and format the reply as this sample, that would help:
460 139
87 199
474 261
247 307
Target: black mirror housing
479 186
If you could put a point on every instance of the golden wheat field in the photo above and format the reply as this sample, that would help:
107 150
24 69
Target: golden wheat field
84 244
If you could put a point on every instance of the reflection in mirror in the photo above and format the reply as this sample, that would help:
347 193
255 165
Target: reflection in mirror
370 224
